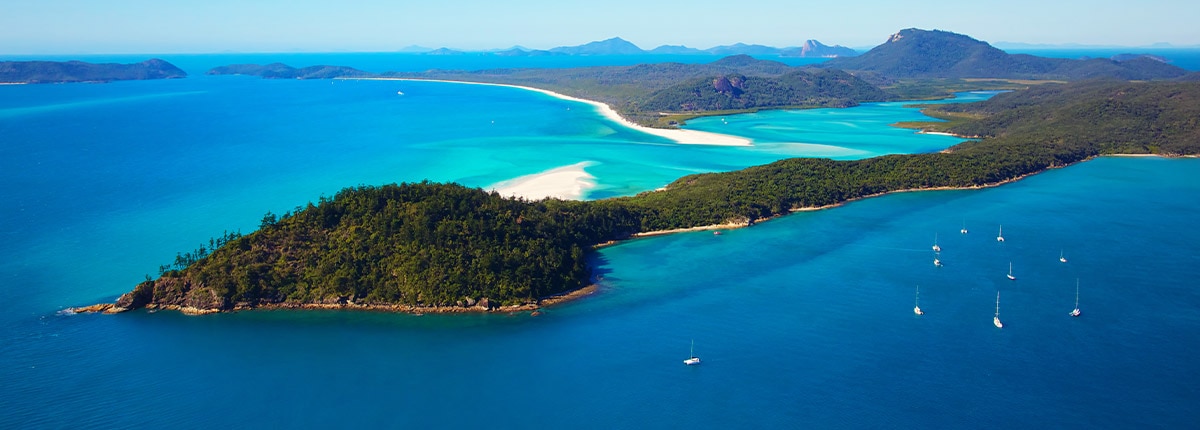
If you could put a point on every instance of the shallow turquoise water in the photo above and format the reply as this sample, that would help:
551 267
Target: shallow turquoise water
804 320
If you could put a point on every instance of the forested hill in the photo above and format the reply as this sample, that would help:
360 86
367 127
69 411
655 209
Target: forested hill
1109 116
41 72
801 88
415 244
915 53
445 245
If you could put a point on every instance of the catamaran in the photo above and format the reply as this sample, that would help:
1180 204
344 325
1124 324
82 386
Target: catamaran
692 359
1000 235
1076 312
917 309
964 229
1010 275
996 319
936 248
1061 258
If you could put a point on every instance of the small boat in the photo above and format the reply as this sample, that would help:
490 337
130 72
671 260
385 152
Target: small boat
937 262
1000 235
1076 312
399 93
1010 275
917 308
692 359
964 229
1061 258
716 233
996 319
936 248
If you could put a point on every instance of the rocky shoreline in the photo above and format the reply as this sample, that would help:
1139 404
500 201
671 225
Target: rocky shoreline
481 306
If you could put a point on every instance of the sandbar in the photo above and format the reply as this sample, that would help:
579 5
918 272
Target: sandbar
687 137
566 183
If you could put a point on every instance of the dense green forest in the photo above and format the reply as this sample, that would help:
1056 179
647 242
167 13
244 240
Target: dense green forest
433 244
801 88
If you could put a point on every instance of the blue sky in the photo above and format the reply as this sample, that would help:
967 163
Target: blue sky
170 26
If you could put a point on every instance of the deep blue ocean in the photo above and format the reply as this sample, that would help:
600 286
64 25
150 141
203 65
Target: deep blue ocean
804 321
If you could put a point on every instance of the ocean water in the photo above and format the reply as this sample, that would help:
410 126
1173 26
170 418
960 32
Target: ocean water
1186 58
805 320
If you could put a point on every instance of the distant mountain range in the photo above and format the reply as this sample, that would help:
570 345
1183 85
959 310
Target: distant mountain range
915 53
619 46
36 72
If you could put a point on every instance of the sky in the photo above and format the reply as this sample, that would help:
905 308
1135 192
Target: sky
214 26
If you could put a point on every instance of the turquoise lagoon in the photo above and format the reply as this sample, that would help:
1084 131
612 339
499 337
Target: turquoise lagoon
801 321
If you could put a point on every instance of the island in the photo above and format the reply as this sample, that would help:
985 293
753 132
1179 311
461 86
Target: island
45 72
425 247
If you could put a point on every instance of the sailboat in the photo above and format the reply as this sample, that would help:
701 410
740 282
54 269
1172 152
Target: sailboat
1000 235
996 319
936 248
1076 312
1010 275
1061 257
917 308
692 358
964 229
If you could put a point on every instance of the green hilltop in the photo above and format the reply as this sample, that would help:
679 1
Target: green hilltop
916 53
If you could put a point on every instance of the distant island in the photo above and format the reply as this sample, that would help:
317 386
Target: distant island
46 72
619 46
283 71
427 247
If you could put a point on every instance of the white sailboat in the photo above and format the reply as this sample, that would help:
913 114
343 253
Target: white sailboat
964 229
917 308
1061 258
1076 312
692 358
1010 275
936 248
1000 235
996 319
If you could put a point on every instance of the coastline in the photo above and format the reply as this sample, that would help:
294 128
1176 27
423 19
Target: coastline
736 225
680 136
534 308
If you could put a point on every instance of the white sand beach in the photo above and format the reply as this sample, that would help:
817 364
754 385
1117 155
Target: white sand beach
689 137
567 183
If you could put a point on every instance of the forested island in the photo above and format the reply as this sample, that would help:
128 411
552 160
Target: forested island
44 72
433 247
